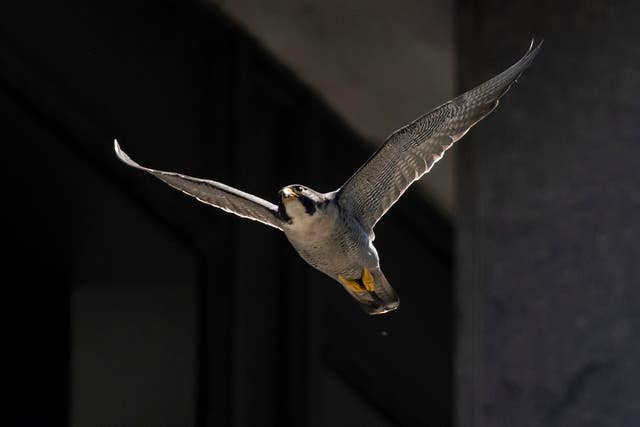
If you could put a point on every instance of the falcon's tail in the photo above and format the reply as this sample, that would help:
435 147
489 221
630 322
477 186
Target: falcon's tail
382 299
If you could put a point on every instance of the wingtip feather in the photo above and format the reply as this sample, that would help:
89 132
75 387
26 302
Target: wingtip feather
124 157
534 47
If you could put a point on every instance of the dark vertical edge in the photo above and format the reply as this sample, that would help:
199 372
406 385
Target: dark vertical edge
202 334
468 325
216 293
238 86
65 405
201 303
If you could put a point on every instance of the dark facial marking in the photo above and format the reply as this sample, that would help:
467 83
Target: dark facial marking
309 205
282 213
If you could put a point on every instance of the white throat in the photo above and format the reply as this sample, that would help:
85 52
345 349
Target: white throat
297 212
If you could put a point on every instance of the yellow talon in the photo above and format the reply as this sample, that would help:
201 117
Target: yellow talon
365 283
367 280
351 284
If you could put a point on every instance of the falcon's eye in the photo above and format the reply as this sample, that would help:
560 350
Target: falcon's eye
299 189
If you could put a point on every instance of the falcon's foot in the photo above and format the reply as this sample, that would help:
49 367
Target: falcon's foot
365 283
367 280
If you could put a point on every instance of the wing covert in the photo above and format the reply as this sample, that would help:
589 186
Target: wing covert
412 150
214 193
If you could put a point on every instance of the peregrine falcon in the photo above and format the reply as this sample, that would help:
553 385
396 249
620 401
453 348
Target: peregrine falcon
333 232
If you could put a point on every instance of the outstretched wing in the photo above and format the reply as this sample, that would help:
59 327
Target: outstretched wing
214 193
411 151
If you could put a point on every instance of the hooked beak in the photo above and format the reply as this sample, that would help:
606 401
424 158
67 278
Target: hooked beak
287 193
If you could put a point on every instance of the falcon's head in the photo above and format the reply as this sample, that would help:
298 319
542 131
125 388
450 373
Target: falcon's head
298 202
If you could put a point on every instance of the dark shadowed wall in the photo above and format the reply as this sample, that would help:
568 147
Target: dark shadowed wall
131 304
139 306
549 258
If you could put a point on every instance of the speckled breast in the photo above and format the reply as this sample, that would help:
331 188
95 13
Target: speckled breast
339 248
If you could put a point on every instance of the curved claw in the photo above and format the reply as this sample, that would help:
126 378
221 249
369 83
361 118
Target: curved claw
364 284
367 280
351 284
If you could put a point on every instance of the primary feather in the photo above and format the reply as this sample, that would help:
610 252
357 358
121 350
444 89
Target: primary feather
412 150
214 193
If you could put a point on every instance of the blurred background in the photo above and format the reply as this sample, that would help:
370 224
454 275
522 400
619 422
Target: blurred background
516 259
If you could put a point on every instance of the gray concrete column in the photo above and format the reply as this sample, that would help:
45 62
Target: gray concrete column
549 231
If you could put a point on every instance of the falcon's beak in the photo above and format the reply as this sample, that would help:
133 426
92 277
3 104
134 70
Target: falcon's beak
288 193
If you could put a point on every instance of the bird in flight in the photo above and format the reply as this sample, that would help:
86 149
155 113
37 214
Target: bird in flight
333 232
